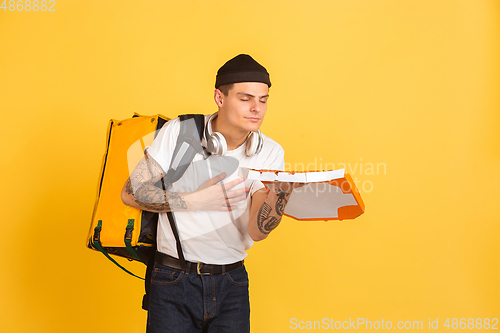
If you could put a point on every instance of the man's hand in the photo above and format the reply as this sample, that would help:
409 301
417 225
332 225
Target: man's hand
210 196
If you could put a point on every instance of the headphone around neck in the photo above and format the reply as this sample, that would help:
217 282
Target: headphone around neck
216 143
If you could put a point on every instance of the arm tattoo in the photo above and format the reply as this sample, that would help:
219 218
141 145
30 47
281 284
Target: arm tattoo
267 219
128 187
173 202
265 222
157 199
141 185
281 203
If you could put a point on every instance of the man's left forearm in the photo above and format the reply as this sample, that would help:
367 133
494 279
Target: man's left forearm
267 211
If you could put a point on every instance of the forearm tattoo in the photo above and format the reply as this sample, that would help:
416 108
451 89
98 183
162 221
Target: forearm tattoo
157 199
267 219
281 203
141 185
265 222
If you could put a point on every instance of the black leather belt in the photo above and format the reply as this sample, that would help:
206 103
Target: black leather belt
195 267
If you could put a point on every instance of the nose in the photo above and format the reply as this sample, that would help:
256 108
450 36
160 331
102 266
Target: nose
256 106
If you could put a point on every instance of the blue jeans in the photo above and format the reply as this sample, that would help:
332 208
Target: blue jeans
183 302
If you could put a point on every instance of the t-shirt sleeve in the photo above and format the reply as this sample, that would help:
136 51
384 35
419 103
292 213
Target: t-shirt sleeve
162 148
275 161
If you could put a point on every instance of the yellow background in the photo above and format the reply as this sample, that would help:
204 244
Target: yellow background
410 85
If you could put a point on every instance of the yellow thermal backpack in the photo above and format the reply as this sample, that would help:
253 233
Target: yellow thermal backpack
126 231
116 228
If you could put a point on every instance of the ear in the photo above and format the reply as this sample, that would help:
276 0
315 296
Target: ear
218 97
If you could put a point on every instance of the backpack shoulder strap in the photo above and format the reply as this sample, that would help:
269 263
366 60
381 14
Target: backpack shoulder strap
187 146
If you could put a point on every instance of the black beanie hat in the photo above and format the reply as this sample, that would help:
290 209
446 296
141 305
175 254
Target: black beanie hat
242 68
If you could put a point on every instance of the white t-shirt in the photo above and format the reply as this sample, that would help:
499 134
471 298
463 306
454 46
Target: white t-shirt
211 236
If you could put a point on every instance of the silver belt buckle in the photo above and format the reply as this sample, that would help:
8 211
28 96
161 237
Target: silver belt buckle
198 266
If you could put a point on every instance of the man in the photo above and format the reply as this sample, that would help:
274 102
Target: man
218 214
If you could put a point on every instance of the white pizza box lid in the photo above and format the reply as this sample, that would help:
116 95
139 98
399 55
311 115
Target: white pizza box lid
327 195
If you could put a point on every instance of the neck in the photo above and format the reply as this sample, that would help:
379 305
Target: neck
234 139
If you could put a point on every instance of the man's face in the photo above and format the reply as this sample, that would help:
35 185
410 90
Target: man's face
245 106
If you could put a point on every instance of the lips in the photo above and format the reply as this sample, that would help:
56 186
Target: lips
254 119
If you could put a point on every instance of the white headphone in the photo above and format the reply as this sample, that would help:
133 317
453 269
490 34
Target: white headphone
216 143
